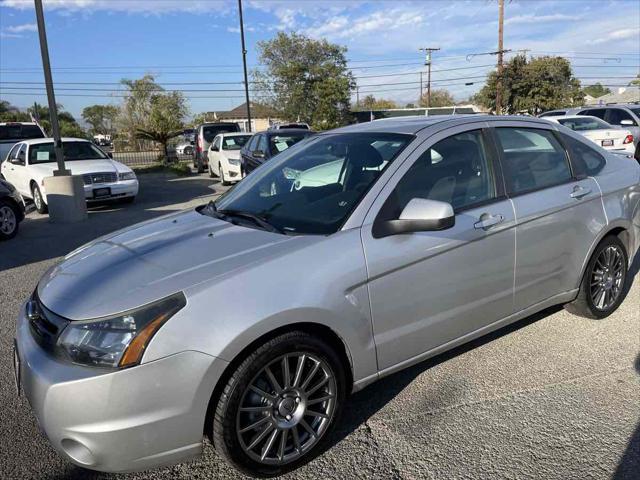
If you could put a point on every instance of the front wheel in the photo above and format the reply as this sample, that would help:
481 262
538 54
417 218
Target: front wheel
603 285
280 403
41 207
8 220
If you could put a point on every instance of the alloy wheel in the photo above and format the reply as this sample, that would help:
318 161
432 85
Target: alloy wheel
37 198
286 408
8 220
607 278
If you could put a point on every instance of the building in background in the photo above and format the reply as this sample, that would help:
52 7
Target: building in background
623 95
262 117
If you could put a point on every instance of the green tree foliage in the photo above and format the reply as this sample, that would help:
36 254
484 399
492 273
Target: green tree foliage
200 118
305 79
533 86
69 127
11 113
101 118
372 103
166 115
635 82
439 98
596 90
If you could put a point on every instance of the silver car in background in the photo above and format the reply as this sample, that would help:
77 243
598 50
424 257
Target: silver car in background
433 232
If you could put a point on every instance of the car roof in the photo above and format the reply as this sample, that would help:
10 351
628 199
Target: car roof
36 141
235 134
2 124
415 123
556 117
284 131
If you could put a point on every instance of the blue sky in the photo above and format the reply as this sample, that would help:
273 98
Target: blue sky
196 43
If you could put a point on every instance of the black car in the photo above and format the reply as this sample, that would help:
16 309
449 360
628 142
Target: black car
11 210
265 145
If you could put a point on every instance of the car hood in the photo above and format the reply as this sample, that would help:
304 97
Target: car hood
149 261
80 167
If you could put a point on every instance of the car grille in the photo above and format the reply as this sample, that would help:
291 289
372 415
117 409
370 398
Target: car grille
103 177
45 325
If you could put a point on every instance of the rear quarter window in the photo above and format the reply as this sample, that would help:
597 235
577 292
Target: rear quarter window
586 161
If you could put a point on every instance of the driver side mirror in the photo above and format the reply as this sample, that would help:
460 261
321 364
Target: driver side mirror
258 154
627 122
420 215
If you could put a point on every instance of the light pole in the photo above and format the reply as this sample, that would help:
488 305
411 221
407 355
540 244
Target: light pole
64 192
244 64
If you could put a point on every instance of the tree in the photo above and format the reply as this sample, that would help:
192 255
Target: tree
439 98
305 79
410 105
200 118
596 90
136 108
69 126
11 113
543 83
372 103
166 114
635 82
101 118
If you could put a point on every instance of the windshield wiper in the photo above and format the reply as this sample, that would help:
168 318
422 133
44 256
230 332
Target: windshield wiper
257 219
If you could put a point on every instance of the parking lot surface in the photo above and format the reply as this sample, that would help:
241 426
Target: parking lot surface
553 396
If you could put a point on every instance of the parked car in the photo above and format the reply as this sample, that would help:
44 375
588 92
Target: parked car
265 145
185 148
553 113
14 132
29 162
282 126
205 134
626 116
128 351
11 210
224 156
598 131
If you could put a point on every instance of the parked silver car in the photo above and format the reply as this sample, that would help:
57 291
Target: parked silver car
434 231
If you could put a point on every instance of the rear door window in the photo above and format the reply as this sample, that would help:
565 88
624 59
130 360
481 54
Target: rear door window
533 159
616 115
594 112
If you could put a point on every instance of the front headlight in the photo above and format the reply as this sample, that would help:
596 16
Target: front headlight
126 176
120 340
233 161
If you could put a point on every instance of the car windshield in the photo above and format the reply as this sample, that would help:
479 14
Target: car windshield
235 143
210 132
582 124
636 110
44 153
313 187
282 141
20 132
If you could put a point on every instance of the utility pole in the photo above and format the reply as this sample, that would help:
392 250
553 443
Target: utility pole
244 64
420 97
427 61
357 96
64 191
500 56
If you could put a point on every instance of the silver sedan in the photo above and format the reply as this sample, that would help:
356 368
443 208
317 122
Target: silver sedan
348 257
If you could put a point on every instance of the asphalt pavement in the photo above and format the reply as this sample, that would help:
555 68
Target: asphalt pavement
551 397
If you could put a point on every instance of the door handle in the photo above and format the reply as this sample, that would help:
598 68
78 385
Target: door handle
488 221
579 192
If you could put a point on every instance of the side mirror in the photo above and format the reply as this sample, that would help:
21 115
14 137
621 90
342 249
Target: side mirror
627 122
258 153
420 215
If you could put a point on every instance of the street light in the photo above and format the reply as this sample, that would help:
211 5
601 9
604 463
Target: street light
65 192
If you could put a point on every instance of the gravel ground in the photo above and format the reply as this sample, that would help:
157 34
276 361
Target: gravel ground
552 396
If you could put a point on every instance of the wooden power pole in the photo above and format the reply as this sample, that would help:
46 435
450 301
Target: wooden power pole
500 56
244 64
427 62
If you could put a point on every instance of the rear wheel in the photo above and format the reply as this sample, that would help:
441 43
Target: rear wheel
41 207
8 220
603 285
199 165
280 403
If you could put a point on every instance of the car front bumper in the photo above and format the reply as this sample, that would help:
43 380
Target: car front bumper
118 421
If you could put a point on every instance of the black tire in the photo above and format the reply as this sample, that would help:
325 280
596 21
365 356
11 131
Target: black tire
223 180
41 207
8 227
225 433
585 304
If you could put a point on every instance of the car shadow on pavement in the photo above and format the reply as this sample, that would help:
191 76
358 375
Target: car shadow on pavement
38 239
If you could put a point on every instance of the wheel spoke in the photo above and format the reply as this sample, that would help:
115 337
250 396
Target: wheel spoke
308 428
296 439
310 376
283 444
255 425
285 371
316 414
262 393
319 400
273 380
299 368
269 444
314 389
260 437
260 408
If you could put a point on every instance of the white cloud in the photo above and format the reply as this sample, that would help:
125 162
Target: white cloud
27 27
532 18
621 34
134 6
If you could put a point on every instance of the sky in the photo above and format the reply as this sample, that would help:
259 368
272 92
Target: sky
194 45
